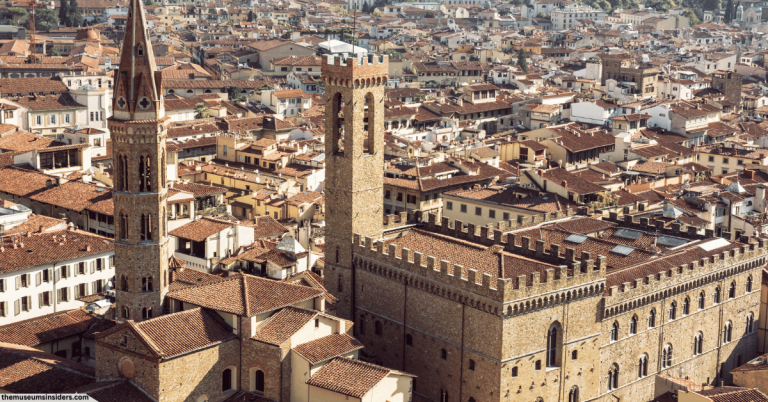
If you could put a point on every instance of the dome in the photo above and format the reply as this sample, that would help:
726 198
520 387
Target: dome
87 34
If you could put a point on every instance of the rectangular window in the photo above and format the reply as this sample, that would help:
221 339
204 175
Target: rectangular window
53 119
506 216
725 160
491 213
99 265
225 150
449 205
399 196
24 281
39 120
25 303
478 211
91 116
464 208
387 194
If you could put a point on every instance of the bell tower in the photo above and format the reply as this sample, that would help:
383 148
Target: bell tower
354 157
138 129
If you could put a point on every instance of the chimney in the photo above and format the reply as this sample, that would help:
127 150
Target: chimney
199 281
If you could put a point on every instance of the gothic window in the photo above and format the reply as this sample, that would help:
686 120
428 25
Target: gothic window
732 290
126 312
146 227
613 377
642 366
123 227
123 283
652 318
514 371
226 380
443 395
698 341
140 50
615 332
337 141
145 173
146 313
750 323
633 325
749 284
672 311
574 355
727 332
666 356
122 176
716 296
573 395
259 381
701 301
553 345
687 306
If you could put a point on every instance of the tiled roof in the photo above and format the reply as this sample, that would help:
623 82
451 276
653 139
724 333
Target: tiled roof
348 377
297 61
758 363
733 394
24 86
73 195
47 328
113 391
509 197
35 223
22 141
281 326
49 102
200 229
24 370
571 181
199 189
327 347
185 331
267 226
48 247
245 295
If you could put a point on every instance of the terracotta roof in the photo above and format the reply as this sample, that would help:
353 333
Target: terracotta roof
24 370
24 86
245 295
119 390
47 328
199 189
297 61
48 247
21 141
185 331
267 226
49 102
327 347
281 326
348 376
200 229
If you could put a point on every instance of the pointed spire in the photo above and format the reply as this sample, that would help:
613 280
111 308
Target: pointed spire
138 91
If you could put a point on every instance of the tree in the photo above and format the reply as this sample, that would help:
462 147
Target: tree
63 12
429 14
45 20
251 17
17 13
53 52
522 60
692 18
728 12
74 14
201 111
233 91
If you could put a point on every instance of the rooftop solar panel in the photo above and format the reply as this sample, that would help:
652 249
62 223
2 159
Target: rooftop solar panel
628 234
576 238
670 241
622 250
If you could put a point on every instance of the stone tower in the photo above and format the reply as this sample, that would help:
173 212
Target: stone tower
354 158
138 129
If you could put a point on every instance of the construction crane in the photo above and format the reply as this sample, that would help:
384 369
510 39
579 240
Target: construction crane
32 4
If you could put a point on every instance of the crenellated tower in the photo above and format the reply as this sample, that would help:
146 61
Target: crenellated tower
138 129
354 149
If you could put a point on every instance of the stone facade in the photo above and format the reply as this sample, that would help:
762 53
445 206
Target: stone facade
729 83
620 67
138 130
354 148
465 336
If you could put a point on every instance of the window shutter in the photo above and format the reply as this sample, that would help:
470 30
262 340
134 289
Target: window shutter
2 285
29 303
93 266
69 271
50 274
58 296
40 300
77 292
16 307
38 278
77 271
5 308
93 287
18 282
57 276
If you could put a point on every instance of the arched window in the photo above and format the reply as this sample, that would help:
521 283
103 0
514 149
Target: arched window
727 332
573 394
258 381
701 301
716 296
749 284
471 399
226 380
553 345
750 323
672 311
146 227
687 306
615 332
443 354
666 356
633 325
613 377
123 227
337 141
171 92
146 313
140 50
642 366
150 286
123 283
409 340
652 318
514 371
698 341
444 396
471 364
537 365
378 328
126 312
163 171
574 355
732 290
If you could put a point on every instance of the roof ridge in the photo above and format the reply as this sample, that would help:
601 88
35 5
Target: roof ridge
246 304
145 338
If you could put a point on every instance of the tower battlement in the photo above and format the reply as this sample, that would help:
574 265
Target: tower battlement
357 66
